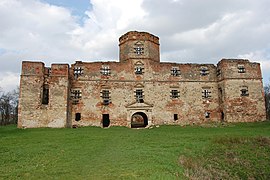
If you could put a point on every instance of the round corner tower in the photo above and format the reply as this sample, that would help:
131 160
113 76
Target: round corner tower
139 45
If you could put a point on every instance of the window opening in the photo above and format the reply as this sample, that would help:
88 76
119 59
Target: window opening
218 72
77 116
206 93
76 95
244 91
139 50
175 71
175 117
138 70
139 95
175 94
105 120
207 115
241 69
45 95
77 71
105 70
106 97
204 71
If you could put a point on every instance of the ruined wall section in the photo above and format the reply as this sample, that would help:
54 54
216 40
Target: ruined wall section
241 90
43 95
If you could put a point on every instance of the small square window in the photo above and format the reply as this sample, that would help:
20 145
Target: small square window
244 91
206 93
175 94
76 94
139 95
207 115
204 71
175 71
139 50
105 70
241 69
77 116
138 70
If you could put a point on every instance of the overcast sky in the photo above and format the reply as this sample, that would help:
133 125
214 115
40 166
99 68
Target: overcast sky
190 31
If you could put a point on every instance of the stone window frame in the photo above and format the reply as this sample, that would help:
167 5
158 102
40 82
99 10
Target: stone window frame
206 93
244 91
175 94
139 95
138 48
175 71
78 71
105 70
241 68
204 71
139 70
105 95
75 95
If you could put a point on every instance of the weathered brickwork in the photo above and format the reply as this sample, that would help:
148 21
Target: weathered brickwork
139 90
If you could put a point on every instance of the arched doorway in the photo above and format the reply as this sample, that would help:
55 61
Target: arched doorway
139 119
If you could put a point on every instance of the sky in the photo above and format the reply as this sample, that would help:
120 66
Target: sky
190 31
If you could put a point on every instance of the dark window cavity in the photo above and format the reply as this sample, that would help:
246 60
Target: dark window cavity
241 69
139 95
175 71
139 70
77 116
45 95
207 115
175 117
244 91
206 93
105 70
77 71
105 120
218 72
175 94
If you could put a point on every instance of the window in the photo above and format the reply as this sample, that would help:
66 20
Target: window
206 93
175 94
175 117
207 115
204 71
76 95
139 50
220 95
218 72
244 91
241 69
77 116
139 95
77 71
106 97
45 95
175 71
139 70
105 70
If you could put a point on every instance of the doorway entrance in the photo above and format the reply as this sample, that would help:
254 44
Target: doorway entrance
105 120
138 120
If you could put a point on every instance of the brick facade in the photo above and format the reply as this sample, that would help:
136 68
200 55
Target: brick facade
139 90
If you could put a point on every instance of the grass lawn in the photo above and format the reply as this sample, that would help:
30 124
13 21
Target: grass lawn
233 151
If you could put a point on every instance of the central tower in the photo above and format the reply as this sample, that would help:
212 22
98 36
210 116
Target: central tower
139 45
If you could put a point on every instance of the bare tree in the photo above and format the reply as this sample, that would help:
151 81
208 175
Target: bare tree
9 107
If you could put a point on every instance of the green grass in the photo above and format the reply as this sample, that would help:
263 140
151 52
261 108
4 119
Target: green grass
234 151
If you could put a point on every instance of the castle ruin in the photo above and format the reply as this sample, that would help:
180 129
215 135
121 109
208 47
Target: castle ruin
139 90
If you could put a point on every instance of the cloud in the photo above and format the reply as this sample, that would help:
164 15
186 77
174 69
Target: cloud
189 30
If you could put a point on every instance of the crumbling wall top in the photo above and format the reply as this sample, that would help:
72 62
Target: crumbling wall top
135 35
